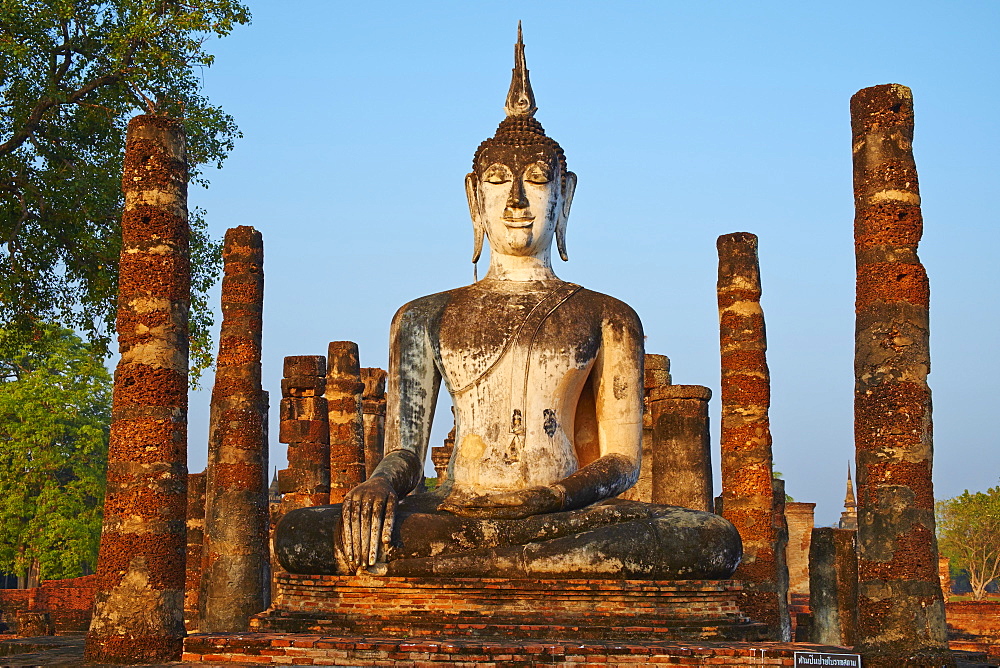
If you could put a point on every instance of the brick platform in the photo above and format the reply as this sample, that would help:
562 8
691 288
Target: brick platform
314 649
507 609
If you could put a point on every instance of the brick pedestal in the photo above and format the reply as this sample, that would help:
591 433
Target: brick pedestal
501 608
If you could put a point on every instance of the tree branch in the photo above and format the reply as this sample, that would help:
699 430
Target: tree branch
47 102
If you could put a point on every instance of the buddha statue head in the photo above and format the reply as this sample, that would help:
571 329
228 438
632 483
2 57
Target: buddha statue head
519 190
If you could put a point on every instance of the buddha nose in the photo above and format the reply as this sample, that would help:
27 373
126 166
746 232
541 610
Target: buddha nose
517 199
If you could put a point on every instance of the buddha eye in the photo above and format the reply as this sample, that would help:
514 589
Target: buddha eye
496 175
537 174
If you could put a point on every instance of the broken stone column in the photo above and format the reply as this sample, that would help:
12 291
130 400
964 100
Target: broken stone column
944 574
441 454
901 616
373 409
304 428
195 539
235 554
799 517
833 586
781 553
344 391
656 374
747 488
681 447
139 608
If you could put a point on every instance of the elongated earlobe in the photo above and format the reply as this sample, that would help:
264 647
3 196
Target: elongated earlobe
477 226
568 191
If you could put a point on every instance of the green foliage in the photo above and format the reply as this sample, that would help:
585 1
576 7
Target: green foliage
72 74
55 412
968 528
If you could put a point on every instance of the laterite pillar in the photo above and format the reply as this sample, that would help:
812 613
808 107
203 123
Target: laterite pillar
139 607
901 617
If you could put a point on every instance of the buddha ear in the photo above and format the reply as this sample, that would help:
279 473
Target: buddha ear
472 193
567 202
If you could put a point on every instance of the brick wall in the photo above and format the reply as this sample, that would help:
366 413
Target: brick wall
973 621
69 602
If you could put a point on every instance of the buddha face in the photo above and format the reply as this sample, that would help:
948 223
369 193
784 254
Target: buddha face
519 198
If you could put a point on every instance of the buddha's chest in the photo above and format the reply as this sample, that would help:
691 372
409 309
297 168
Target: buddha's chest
496 341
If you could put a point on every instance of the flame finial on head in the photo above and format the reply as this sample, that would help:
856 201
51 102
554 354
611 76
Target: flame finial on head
520 99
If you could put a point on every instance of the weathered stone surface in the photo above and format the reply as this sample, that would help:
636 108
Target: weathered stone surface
373 408
681 446
139 611
747 475
656 373
195 541
235 553
305 429
344 393
303 386
833 586
901 618
33 624
799 516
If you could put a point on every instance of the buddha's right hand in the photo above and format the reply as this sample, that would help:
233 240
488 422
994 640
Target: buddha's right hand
366 523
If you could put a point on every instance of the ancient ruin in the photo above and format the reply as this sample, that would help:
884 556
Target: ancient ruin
139 614
304 428
195 540
571 519
833 586
344 392
681 446
849 517
373 408
799 516
520 352
235 554
901 614
747 474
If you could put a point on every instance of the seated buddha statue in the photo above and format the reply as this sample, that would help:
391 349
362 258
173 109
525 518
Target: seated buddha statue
546 379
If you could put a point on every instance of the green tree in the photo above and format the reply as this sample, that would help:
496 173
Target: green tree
72 73
968 529
55 412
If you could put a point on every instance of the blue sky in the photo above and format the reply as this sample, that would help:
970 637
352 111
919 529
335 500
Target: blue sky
683 121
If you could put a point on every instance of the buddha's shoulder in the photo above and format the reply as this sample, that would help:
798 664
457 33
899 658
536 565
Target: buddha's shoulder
425 308
607 306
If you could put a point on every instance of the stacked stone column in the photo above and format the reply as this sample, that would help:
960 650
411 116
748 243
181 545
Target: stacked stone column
373 408
139 607
656 373
681 447
235 553
195 541
833 587
799 517
344 391
901 618
747 477
304 428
